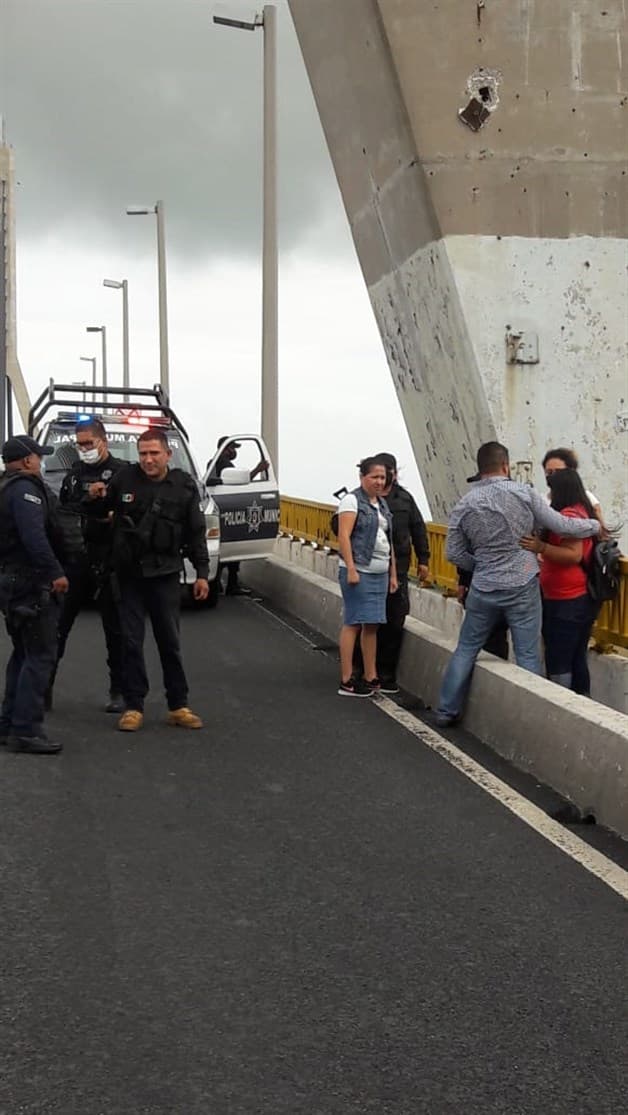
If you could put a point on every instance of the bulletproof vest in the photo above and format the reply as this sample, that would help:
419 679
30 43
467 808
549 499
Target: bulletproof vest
12 551
149 538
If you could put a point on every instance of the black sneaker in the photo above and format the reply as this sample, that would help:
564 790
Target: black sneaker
374 685
34 745
354 687
388 685
116 703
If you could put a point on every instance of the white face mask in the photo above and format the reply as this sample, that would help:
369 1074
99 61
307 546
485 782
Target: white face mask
88 456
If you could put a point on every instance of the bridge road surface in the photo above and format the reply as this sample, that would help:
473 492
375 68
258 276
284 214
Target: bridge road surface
300 909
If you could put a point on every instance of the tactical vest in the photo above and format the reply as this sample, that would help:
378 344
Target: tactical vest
12 551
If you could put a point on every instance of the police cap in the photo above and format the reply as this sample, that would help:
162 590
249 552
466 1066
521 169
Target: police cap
17 448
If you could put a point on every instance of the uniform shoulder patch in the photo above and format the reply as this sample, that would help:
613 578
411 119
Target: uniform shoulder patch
31 498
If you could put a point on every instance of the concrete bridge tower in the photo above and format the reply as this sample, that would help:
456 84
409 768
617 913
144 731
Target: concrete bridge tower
481 150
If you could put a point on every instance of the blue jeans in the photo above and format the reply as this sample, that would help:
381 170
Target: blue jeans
520 607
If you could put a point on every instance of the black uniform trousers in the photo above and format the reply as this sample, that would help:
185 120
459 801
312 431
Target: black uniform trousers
85 585
34 639
160 599
389 634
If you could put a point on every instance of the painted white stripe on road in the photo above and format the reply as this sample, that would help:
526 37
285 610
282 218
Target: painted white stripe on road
598 864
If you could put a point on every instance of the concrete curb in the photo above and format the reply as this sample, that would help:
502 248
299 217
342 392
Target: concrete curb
572 744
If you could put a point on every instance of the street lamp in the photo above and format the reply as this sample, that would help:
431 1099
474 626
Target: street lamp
92 361
124 287
102 329
158 210
270 277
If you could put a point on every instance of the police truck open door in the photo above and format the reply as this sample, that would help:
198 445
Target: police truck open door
242 481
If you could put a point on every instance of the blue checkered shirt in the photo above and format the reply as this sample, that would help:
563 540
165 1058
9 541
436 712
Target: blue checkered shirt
486 525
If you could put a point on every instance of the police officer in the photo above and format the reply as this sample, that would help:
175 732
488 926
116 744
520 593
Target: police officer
88 567
409 532
157 517
31 581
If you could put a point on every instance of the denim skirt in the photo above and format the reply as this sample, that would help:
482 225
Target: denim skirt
366 601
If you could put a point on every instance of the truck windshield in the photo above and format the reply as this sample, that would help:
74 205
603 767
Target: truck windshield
122 443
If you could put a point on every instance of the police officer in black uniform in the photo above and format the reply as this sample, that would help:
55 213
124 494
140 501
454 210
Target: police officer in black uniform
31 581
157 519
88 566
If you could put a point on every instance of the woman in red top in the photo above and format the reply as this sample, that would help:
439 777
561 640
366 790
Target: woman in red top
568 610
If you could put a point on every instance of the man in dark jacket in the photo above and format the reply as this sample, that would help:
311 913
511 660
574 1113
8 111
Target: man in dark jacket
409 533
88 568
157 517
31 580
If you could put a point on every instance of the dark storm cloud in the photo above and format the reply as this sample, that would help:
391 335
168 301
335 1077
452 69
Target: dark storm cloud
115 102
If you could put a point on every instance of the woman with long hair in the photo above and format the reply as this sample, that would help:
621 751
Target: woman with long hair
568 610
367 573
557 459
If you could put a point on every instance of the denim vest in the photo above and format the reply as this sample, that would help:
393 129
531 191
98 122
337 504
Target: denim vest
364 531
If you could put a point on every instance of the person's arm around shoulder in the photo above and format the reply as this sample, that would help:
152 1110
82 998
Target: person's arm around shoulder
545 516
195 540
567 551
347 515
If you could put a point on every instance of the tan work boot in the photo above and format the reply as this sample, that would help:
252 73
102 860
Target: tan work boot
130 721
184 718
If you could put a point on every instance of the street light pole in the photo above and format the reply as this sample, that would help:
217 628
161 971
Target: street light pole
102 329
92 361
164 363
270 273
270 270
113 284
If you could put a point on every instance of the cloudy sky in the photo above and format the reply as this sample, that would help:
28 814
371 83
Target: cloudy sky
115 102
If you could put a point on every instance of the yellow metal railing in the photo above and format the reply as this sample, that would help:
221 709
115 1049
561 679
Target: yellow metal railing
304 519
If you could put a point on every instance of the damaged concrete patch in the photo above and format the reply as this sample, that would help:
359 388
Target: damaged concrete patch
482 93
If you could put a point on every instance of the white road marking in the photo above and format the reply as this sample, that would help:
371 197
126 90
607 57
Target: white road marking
598 864
283 623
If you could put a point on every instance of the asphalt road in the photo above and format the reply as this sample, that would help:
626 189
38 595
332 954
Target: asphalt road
299 910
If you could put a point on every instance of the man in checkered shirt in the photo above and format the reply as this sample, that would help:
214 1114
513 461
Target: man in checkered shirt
484 535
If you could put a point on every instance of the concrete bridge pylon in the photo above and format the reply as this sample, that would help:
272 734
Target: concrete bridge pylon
481 152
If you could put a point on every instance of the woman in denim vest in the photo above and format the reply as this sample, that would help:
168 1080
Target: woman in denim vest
367 573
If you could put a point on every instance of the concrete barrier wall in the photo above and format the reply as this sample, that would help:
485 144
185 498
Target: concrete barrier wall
572 744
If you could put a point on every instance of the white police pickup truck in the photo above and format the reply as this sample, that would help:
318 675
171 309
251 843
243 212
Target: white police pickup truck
240 501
